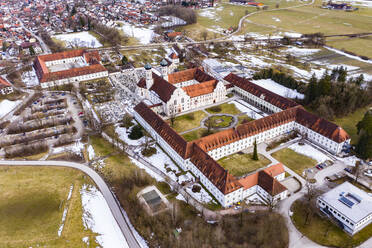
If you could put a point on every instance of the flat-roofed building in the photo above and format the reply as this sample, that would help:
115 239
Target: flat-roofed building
348 205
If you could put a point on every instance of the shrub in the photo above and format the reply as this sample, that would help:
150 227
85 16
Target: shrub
136 133
148 152
215 109
196 188
190 116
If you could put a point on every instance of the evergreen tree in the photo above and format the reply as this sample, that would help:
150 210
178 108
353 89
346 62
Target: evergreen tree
364 146
32 51
136 133
255 154
73 11
311 90
124 60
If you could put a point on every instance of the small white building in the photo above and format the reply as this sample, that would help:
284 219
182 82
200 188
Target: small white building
348 205
6 88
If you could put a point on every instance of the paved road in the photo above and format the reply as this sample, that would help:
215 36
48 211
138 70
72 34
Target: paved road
46 49
105 190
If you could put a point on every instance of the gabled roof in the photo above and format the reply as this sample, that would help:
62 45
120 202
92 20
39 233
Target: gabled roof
321 126
258 91
200 89
270 184
186 75
215 173
248 129
61 55
275 170
170 136
162 88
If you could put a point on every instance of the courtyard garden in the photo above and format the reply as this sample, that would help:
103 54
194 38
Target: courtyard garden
321 230
240 163
188 121
225 108
293 160
219 121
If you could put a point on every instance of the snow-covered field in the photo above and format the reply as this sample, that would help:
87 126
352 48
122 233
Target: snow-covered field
296 51
278 89
6 106
310 151
98 218
81 39
202 196
76 148
144 35
248 109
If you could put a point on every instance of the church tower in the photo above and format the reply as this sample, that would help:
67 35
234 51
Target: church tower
164 69
149 80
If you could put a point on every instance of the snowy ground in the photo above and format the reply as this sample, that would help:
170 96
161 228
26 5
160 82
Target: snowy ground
296 51
144 35
76 148
202 196
123 135
6 106
91 153
98 218
310 151
148 171
248 109
278 89
81 39
350 161
29 78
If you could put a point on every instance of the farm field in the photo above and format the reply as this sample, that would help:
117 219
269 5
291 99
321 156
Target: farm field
216 20
32 205
312 19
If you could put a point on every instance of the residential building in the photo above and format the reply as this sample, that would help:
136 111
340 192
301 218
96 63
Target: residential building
5 87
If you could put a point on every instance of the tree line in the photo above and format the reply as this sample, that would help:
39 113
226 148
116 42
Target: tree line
277 76
186 14
364 145
333 95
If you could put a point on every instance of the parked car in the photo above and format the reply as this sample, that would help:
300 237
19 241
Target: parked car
348 170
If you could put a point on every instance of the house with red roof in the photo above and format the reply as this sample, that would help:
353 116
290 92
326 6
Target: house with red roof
5 87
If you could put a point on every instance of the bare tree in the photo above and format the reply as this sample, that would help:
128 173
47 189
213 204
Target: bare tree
204 35
358 170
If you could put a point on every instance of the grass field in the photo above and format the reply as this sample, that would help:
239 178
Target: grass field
242 118
312 19
293 160
188 121
349 123
241 164
32 203
226 108
324 232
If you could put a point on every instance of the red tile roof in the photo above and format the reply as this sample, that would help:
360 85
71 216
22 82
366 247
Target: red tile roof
200 89
162 87
270 184
275 170
52 76
258 91
62 55
4 83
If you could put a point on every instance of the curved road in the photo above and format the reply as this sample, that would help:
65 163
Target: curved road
105 190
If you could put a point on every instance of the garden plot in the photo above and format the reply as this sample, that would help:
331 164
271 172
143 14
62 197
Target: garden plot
310 151
7 106
97 217
81 39
278 89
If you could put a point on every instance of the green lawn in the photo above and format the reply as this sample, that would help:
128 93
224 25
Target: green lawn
241 164
323 231
226 108
32 203
349 122
188 121
293 160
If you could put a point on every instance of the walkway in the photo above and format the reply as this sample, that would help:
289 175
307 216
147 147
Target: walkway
112 202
